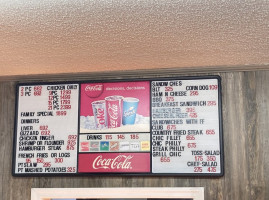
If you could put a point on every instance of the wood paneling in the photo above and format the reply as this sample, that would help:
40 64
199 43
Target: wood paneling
246 139
89 73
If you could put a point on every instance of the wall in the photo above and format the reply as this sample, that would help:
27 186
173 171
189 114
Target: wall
245 123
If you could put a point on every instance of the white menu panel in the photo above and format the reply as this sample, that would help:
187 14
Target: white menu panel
185 126
47 126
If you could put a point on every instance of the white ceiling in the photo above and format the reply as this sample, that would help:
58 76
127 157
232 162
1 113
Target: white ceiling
65 36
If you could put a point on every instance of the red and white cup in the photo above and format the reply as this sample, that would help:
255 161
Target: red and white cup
100 114
114 111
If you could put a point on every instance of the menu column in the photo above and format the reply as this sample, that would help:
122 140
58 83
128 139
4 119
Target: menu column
47 129
185 126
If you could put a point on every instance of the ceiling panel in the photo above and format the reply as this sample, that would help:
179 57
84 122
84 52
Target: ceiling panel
66 36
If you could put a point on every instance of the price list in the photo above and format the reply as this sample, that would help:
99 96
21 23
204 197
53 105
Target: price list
147 127
46 131
185 126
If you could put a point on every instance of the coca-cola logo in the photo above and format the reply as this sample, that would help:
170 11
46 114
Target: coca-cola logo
106 162
119 162
113 111
94 90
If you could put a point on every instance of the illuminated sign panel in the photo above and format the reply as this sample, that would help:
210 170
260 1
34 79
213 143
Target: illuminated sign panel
147 127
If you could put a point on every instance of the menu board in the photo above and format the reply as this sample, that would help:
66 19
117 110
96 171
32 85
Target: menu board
135 127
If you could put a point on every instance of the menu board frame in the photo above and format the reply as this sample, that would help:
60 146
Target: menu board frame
219 91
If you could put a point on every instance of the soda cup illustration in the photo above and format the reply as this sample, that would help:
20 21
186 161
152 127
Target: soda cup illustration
114 111
130 106
100 115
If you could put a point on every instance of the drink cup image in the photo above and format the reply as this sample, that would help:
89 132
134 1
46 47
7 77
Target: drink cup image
114 111
130 106
100 114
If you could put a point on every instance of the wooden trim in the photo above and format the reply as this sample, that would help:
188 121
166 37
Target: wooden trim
196 193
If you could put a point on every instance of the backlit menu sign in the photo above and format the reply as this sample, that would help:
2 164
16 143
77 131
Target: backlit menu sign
138 127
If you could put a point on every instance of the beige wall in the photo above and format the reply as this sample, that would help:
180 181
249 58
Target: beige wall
245 122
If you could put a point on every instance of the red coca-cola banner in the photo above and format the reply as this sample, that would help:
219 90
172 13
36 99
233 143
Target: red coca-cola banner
114 162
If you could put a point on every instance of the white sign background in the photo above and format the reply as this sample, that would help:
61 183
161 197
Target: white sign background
60 127
201 90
